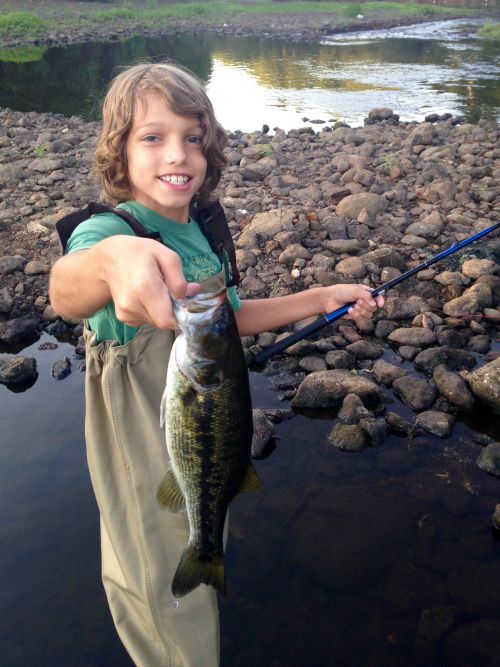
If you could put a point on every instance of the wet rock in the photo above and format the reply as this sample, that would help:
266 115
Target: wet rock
263 432
348 437
312 364
485 384
435 623
397 308
489 459
6 300
452 387
398 424
414 336
352 409
418 393
385 373
363 349
496 517
435 422
340 359
61 368
326 389
375 428
17 330
17 370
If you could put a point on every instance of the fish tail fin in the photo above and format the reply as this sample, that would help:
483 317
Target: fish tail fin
195 569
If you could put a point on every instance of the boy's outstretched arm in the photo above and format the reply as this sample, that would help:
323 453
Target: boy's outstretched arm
137 274
257 315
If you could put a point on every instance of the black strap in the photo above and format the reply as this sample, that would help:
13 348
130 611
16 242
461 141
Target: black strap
213 224
210 217
67 224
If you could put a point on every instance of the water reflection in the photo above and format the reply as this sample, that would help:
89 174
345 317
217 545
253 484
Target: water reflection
436 67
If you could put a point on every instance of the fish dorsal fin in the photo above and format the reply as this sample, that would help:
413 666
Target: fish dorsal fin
251 481
169 494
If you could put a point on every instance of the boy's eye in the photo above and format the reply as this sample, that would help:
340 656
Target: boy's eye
150 138
195 139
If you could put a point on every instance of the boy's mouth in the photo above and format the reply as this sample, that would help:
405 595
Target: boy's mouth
175 179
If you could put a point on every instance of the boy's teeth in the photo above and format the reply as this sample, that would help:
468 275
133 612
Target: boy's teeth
177 180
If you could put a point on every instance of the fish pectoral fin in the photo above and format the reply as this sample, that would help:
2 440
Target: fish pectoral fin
169 494
251 481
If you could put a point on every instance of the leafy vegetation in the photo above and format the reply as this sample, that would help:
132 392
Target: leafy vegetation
21 24
23 54
490 30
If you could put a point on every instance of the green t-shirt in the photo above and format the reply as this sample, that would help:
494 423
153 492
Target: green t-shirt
199 262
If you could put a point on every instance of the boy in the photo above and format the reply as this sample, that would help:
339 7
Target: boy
160 150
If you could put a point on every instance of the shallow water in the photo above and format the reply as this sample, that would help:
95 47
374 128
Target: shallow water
331 564
416 70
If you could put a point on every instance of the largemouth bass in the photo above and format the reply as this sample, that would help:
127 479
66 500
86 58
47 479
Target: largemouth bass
207 412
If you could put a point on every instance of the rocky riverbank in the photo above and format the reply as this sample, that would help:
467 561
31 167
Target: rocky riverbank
72 23
310 208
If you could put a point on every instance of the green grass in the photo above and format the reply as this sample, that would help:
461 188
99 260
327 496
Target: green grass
151 12
21 24
23 54
490 30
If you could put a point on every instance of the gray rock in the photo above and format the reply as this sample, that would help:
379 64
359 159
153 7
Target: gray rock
353 267
326 389
352 409
340 359
453 388
312 364
9 264
485 384
474 268
414 336
348 437
385 373
61 368
263 432
19 329
397 308
418 393
489 459
17 370
352 205
363 349
375 428
435 422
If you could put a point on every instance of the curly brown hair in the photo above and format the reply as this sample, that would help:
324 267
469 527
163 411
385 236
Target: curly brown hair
185 95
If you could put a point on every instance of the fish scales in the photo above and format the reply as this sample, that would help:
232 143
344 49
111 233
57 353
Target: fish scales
208 418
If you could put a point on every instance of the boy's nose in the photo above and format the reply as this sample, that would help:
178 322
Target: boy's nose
175 152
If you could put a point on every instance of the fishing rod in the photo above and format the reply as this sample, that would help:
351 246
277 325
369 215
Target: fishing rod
328 318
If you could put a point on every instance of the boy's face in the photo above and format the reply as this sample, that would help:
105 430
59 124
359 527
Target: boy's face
166 164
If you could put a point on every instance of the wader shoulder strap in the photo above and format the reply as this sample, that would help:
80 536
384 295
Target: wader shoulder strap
213 224
67 225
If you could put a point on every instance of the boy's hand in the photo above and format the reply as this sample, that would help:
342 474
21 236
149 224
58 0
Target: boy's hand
141 275
364 304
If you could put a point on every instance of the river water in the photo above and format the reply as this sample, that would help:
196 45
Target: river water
384 558
416 70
